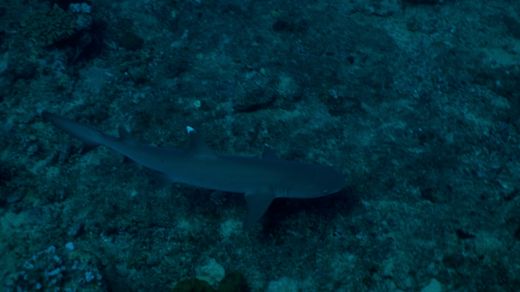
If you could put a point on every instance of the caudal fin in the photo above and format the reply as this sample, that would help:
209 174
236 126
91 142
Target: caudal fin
87 134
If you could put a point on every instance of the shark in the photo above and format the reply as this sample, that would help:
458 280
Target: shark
261 179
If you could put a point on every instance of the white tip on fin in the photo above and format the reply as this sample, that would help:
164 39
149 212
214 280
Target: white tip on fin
190 130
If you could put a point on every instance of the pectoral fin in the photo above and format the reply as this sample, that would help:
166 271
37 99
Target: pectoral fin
257 204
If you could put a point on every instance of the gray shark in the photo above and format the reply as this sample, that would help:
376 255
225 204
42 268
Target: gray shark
261 179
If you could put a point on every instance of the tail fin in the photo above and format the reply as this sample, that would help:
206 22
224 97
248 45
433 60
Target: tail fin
87 134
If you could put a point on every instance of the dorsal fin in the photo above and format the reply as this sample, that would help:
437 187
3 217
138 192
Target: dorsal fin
269 153
197 146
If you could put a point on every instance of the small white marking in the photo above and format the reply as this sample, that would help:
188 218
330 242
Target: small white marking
190 130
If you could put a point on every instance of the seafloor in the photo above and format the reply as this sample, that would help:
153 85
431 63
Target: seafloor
416 102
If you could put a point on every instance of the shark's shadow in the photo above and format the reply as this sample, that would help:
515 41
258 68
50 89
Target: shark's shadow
325 208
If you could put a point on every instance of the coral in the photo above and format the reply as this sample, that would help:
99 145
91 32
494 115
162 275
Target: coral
45 28
56 269
193 285
212 272
283 284
233 281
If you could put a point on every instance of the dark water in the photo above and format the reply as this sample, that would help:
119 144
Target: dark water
416 102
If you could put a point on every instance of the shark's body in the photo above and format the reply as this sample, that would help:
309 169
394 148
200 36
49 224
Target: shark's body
260 179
